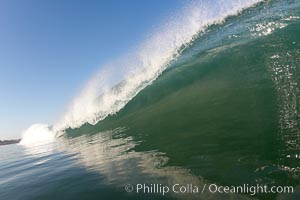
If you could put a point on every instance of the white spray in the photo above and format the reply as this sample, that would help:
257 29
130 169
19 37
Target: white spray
37 134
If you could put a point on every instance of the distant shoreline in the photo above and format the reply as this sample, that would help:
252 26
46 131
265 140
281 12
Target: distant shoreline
7 142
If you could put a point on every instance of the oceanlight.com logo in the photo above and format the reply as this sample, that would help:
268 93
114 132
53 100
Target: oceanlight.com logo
210 188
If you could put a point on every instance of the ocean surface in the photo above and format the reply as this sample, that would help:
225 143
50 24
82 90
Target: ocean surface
220 105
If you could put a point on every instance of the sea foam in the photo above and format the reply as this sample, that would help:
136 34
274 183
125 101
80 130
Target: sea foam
37 134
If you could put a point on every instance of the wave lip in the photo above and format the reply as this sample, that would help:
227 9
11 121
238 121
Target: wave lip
117 83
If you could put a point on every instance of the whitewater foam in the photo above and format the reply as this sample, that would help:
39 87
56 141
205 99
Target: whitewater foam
37 134
118 82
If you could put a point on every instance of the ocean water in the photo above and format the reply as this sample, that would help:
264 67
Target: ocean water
219 104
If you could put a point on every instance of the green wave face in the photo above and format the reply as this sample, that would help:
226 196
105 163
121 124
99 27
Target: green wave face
228 109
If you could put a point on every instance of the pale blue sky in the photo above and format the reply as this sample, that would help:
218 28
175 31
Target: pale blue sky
49 48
